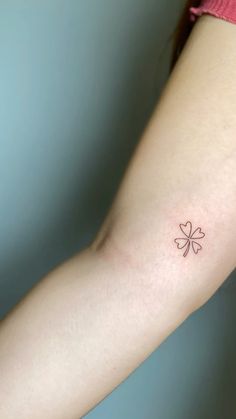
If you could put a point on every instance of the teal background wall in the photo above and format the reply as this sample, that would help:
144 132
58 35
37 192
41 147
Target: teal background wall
78 81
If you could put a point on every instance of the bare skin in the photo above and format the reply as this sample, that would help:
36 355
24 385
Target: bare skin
87 325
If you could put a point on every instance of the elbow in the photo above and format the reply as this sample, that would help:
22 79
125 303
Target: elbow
144 264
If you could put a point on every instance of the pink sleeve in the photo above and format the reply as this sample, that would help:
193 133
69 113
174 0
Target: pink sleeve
223 9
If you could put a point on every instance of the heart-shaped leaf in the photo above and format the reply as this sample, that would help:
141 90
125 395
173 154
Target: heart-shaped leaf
181 243
186 228
197 234
196 247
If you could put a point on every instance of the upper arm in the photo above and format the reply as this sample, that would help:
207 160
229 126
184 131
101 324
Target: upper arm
184 170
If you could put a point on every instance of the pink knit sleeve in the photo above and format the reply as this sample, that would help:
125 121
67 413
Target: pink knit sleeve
223 9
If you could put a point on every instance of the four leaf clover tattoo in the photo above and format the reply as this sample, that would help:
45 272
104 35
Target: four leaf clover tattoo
189 239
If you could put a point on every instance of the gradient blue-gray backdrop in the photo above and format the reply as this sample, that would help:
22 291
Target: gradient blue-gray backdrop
78 80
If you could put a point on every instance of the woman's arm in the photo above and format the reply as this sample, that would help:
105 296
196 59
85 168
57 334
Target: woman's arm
87 325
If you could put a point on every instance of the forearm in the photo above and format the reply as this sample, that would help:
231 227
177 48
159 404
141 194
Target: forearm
77 335
92 321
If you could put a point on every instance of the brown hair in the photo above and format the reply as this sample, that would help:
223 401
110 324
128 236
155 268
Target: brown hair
182 31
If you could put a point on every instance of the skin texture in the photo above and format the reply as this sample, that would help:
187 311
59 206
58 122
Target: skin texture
86 326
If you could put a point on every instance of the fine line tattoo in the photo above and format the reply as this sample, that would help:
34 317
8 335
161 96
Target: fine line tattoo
190 239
